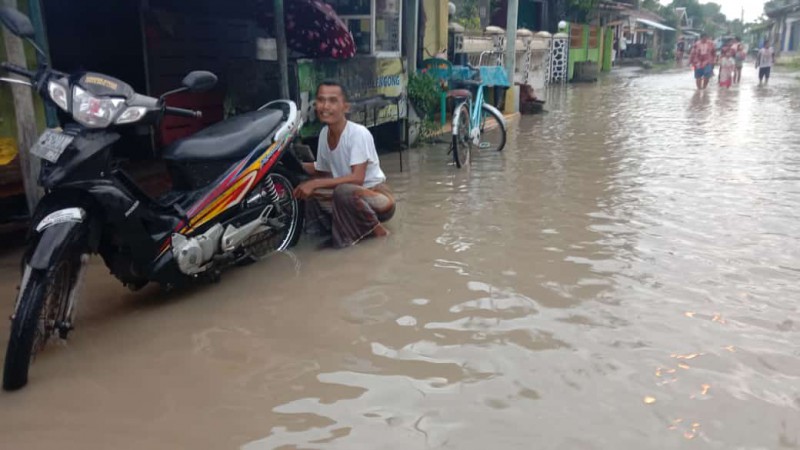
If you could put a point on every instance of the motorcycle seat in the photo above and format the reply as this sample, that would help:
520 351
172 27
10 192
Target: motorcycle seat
229 140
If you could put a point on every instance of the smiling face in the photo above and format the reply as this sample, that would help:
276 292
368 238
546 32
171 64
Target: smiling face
331 105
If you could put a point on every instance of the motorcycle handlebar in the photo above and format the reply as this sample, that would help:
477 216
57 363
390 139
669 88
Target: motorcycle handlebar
181 112
13 68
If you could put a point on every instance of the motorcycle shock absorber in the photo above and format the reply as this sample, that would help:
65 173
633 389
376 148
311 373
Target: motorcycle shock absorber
269 188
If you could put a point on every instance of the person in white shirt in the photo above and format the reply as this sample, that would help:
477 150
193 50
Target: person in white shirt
347 195
764 61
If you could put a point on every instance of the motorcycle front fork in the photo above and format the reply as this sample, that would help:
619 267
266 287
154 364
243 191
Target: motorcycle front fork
65 325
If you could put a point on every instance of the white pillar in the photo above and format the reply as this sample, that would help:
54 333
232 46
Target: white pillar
512 96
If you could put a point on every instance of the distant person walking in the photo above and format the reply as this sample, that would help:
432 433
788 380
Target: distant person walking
623 46
702 58
680 49
764 61
739 57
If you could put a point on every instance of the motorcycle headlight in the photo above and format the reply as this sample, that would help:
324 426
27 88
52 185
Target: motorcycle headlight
94 112
58 93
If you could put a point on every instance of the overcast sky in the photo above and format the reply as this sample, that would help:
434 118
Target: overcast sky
733 8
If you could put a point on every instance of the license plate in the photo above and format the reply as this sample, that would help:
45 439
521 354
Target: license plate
51 144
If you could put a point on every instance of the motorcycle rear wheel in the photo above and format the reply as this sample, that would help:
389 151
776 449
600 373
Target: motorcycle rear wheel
289 211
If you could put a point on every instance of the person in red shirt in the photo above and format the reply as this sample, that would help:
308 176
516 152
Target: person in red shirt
702 58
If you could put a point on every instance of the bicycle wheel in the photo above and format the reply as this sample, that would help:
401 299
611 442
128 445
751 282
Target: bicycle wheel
493 132
462 144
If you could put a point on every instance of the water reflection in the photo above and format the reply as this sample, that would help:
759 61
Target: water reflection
608 256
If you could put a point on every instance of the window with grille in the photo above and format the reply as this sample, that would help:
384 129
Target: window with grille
375 24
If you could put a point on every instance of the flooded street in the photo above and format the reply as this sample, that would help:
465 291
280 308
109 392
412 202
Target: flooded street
624 275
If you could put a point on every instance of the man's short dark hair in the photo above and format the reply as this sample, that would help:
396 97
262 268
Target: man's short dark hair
703 35
333 83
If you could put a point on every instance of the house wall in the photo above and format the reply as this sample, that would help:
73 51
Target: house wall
586 49
608 48
579 35
435 27
791 35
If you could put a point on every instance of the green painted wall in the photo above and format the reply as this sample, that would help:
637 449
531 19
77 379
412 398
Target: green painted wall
608 48
577 53
601 55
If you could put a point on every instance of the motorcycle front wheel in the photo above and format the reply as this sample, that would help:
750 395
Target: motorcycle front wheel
41 311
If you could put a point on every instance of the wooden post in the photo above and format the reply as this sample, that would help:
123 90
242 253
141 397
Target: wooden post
280 42
26 119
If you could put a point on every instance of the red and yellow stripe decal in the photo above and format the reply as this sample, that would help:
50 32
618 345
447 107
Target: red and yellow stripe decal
230 192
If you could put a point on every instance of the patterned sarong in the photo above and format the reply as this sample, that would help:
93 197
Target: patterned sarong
348 213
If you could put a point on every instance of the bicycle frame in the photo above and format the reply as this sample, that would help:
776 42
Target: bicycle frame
474 108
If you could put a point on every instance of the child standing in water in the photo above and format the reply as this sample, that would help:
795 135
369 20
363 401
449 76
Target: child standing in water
727 65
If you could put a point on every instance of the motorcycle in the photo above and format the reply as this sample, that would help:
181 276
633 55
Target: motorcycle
231 203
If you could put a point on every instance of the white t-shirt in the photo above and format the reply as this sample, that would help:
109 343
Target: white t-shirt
766 56
356 146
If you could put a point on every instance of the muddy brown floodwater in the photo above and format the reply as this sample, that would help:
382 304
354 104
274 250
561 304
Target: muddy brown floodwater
624 275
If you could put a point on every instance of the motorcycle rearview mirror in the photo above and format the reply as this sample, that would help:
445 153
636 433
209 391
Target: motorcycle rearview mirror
199 81
195 81
20 25
16 22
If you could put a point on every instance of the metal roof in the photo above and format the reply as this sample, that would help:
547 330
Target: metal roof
654 24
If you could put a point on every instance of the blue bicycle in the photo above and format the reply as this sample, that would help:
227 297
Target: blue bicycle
475 123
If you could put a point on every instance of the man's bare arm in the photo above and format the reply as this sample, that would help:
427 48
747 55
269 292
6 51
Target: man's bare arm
357 176
312 170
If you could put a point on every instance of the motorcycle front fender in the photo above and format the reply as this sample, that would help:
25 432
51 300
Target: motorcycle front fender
67 228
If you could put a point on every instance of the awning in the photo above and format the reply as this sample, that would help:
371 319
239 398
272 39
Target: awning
654 24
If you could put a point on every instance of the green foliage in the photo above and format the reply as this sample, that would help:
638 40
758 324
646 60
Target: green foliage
776 4
467 12
736 28
429 129
707 16
651 5
579 10
470 23
467 15
793 64
423 92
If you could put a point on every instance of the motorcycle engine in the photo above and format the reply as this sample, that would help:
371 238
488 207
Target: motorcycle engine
193 253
